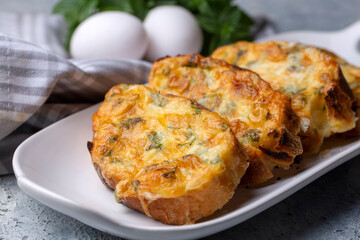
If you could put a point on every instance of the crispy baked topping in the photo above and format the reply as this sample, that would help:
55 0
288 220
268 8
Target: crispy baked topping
310 76
250 105
155 150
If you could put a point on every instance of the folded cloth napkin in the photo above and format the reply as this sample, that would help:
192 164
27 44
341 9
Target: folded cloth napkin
39 88
46 31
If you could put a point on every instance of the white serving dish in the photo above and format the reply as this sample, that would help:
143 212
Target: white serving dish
54 167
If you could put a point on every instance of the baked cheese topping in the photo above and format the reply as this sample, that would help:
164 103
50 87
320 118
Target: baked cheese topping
260 117
157 146
308 75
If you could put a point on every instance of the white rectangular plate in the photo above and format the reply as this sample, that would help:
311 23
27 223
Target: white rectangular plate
54 167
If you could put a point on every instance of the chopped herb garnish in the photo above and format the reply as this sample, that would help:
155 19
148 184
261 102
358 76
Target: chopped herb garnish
211 101
292 92
116 160
253 134
155 141
189 132
159 100
107 153
166 71
189 143
229 108
303 100
197 109
192 141
112 139
294 68
217 160
300 90
135 184
274 133
170 174
238 55
153 166
110 96
249 64
319 91
117 102
131 121
224 126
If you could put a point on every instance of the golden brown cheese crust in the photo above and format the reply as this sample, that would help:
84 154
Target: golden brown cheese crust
312 78
352 76
166 156
260 117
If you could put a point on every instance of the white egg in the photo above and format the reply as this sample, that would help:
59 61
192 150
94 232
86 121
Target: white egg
109 35
172 30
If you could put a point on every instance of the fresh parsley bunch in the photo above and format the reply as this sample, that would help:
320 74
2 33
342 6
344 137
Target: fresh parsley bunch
222 23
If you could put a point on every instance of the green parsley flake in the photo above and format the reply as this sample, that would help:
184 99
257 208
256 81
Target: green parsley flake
197 109
155 141
129 122
158 99
253 134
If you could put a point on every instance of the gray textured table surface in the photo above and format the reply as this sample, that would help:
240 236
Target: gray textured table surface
328 208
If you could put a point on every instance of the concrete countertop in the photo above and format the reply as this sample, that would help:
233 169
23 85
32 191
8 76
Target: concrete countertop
328 208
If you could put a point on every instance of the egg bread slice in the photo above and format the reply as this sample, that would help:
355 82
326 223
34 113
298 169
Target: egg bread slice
261 118
312 78
166 156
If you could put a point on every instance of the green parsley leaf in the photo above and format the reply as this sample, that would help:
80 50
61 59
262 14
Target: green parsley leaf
155 139
253 134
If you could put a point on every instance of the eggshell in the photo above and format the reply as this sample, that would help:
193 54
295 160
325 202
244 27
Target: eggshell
109 35
172 30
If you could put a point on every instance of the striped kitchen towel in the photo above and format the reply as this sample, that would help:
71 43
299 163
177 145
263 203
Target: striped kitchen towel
38 88
45 30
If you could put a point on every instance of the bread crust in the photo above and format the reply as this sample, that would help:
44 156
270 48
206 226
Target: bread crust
187 208
260 117
165 156
311 77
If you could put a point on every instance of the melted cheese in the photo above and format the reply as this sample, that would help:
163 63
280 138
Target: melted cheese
157 146
258 115
307 75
